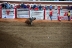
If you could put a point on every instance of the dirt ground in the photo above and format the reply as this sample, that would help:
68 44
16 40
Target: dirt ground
43 34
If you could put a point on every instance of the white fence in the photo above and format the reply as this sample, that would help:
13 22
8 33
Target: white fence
22 13
8 13
40 14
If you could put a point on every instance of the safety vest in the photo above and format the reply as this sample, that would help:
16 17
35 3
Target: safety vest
50 13
68 14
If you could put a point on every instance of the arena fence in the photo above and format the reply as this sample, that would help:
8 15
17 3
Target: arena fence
8 13
39 14
23 13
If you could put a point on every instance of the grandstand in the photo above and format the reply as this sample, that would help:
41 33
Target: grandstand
26 10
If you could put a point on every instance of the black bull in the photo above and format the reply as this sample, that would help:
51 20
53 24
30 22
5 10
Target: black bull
29 21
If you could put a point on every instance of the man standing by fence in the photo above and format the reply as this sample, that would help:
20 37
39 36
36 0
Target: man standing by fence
68 15
50 14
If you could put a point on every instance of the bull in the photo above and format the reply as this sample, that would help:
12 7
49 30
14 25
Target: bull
30 20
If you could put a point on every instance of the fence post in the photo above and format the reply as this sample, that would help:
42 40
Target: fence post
59 11
15 12
44 13
0 11
29 12
59 17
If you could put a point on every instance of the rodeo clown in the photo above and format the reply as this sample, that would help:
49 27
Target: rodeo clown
29 20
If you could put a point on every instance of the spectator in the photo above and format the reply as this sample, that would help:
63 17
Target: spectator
34 6
68 7
18 6
51 7
61 7
12 5
68 15
28 6
46 7
3 6
40 7
31 6
6 5
55 7
22 5
50 14
9 6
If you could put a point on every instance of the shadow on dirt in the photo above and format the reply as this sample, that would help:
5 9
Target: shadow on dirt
10 41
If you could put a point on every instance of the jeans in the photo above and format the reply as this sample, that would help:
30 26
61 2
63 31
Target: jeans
68 18
51 18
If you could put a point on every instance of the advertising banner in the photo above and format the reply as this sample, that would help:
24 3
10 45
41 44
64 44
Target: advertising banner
63 11
38 14
8 13
22 13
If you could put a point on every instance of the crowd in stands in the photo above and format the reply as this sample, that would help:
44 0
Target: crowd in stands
69 7
7 5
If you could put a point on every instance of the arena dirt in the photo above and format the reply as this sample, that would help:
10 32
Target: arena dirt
40 35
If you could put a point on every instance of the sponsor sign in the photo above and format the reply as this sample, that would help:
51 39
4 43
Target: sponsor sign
8 13
38 14
62 12
22 13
